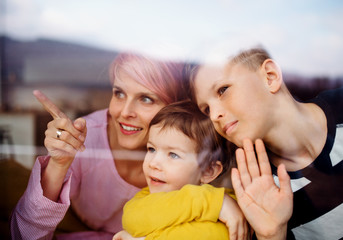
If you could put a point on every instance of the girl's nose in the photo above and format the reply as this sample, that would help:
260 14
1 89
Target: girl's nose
155 162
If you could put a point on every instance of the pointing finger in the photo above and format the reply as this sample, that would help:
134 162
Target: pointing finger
49 106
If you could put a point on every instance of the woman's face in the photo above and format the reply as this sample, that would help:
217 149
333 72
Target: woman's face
131 109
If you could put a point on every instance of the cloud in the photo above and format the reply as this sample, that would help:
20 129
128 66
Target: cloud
299 34
20 17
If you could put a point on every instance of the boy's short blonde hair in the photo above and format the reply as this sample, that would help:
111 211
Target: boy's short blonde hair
252 58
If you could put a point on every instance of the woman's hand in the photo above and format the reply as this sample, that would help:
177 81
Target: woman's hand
123 235
63 138
266 206
234 219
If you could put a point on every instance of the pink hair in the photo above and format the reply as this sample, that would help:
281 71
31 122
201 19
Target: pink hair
164 78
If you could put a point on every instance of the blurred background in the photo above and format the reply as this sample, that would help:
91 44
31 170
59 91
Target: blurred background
64 48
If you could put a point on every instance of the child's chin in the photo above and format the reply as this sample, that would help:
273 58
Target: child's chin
154 189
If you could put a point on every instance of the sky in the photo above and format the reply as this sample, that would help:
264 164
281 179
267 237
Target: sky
304 36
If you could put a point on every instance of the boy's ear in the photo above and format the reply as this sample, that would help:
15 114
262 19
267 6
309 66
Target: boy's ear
273 75
212 172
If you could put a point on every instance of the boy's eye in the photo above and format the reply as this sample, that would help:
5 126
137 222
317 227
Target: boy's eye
174 155
222 90
147 100
207 111
151 149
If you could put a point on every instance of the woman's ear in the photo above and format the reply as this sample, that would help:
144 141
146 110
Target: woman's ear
212 172
272 74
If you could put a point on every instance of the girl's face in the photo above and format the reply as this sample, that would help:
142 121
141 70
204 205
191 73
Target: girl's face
171 160
237 101
131 109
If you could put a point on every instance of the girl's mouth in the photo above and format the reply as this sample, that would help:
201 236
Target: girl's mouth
156 180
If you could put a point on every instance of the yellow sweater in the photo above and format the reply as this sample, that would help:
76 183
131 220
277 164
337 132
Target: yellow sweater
189 213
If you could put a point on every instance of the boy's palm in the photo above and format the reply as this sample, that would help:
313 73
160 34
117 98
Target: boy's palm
266 206
261 202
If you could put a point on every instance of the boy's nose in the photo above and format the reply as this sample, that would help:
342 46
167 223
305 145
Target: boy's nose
215 114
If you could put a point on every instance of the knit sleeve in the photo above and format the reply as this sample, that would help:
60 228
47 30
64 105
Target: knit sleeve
35 216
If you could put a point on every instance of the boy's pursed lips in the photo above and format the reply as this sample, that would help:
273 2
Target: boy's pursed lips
228 128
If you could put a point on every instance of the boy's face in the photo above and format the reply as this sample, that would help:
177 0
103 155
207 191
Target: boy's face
171 160
236 99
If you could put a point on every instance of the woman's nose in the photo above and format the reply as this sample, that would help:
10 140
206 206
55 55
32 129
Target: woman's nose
128 109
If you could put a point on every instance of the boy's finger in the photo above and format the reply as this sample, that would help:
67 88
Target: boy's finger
262 157
242 200
285 182
236 183
242 168
251 158
54 111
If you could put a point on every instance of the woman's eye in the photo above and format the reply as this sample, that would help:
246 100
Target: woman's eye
222 90
118 94
147 100
174 155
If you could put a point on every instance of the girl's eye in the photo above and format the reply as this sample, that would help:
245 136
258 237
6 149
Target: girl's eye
222 90
174 155
151 149
147 100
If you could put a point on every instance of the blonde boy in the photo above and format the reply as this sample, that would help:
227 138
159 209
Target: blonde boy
247 99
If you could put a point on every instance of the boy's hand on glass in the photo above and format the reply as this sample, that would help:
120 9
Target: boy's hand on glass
234 219
266 206
124 235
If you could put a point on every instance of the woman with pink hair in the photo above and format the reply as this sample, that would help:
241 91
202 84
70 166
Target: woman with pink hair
99 173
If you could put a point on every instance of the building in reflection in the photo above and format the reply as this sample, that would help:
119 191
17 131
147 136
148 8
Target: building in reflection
75 77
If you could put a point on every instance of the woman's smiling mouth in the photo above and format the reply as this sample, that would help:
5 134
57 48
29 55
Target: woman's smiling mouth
129 129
